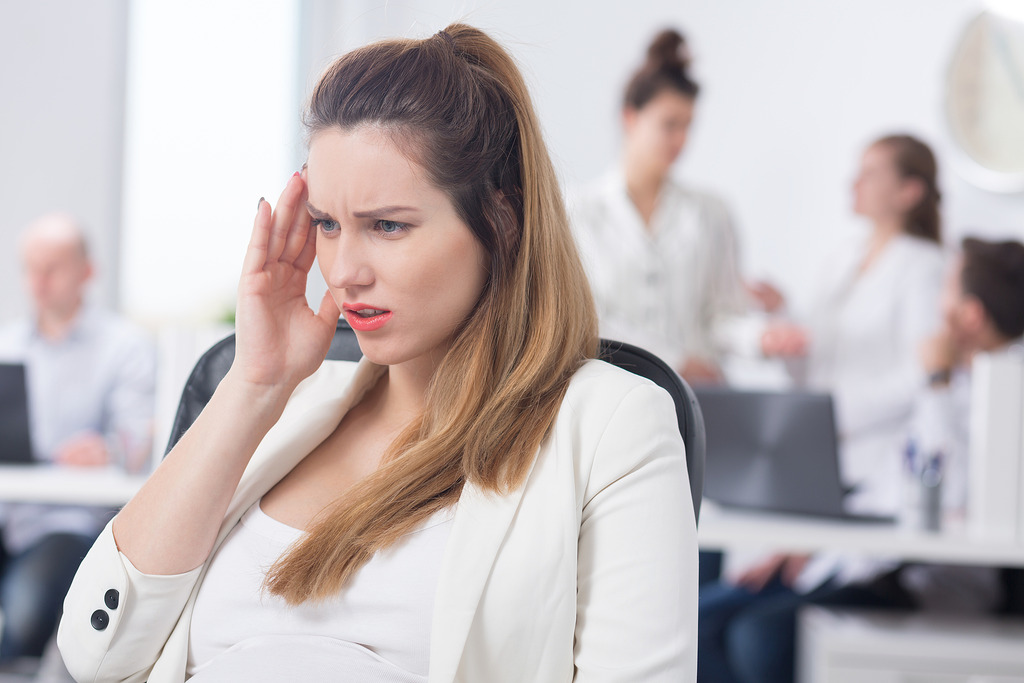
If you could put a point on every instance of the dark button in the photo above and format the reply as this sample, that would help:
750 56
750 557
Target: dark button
110 598
99 620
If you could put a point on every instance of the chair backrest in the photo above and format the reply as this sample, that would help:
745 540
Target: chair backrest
214 364
691 420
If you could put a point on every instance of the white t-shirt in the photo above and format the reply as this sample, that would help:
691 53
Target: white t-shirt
377 630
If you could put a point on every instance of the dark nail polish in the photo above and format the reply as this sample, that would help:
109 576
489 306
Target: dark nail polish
260 203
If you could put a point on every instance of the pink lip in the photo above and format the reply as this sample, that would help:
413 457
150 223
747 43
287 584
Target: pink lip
361 324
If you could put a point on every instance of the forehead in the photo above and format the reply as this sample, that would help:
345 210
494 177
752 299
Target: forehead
39 250
366 165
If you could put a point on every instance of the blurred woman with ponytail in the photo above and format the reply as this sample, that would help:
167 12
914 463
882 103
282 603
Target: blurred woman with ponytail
661 256
473 501
875 302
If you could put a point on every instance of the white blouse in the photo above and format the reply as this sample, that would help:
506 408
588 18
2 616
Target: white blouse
865 333
674 288
376 630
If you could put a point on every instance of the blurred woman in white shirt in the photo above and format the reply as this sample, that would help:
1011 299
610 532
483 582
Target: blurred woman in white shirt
875 301
661 257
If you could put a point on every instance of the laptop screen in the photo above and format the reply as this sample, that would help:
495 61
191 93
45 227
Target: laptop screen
15 443
773 451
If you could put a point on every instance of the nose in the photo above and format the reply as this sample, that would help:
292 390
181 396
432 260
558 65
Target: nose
344 260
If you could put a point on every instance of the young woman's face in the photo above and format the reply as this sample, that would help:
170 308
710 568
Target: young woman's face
657 131
880 193
402 266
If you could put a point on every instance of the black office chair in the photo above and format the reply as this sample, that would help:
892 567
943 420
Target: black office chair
214 364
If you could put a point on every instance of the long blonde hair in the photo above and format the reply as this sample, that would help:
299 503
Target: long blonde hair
459 102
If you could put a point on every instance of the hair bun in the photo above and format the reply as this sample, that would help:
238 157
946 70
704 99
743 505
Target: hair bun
668 50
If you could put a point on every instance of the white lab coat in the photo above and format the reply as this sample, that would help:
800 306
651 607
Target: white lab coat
673 289
865 334
587 572
866 330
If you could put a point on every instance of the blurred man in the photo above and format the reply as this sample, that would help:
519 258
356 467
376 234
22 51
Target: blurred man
90 378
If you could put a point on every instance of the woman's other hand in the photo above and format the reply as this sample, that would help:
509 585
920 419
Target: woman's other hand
786 567
784 340
698 371
766 295
280 340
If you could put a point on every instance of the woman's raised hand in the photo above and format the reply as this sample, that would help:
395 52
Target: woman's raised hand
280 340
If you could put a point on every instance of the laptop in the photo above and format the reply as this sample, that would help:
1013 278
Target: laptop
773 451
15 443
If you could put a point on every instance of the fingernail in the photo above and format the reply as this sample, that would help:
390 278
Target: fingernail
259 204
297 173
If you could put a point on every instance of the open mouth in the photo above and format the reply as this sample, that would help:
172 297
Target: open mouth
365 318
369 312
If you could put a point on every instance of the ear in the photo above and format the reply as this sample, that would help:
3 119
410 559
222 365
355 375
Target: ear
973 316
912 192
629 115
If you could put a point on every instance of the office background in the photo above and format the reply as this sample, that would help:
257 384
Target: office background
161 124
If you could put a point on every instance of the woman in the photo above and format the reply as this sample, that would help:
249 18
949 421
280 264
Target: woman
457 506
877 303
661 256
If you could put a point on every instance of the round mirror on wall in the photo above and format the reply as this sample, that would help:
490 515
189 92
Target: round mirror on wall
985 102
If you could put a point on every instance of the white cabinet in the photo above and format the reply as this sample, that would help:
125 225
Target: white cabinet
860 646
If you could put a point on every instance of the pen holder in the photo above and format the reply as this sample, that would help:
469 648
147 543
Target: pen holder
922 491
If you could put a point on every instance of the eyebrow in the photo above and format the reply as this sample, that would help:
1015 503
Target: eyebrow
368 213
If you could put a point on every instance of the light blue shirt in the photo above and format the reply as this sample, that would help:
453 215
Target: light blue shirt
100 379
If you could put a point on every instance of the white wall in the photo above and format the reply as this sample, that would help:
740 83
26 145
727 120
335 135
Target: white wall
792 91
62 66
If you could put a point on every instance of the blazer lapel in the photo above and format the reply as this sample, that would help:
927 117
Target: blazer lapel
481 523
310 417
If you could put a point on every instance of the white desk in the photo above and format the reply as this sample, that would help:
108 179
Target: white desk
727 528
70 485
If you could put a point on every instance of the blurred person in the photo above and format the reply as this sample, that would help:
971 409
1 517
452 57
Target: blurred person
876 303
982 311
90 381
456 505
662 256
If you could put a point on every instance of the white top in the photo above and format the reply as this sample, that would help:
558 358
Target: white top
865 333
674 288
866 329
376 630
99 378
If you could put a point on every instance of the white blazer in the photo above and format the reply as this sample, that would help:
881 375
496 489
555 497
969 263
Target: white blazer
587 572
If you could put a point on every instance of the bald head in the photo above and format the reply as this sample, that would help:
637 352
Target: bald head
54 231
56 264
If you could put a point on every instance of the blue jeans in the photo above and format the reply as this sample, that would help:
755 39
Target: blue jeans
33 584
746 637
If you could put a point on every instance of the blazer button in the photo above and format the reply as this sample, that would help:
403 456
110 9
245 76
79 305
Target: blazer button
99 620
110 598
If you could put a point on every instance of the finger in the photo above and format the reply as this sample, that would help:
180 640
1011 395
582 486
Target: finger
298 234
304 261
256 253
284 217
329 311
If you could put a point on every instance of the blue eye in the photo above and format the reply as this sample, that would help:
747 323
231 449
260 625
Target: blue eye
325 226
389 227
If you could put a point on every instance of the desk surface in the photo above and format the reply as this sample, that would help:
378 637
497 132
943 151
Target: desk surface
68 485
728 528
